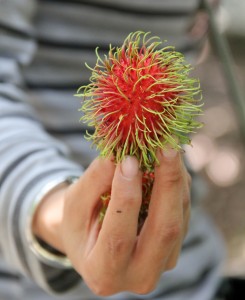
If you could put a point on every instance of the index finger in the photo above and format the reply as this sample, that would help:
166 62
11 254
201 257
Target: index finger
119 229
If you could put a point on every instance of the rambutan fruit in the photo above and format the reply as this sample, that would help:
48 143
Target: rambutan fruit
140 98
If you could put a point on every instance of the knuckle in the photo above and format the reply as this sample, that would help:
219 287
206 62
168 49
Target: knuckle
97 289
145 288
102 289
100 282
117 245
127 199
130 201
173 177
171 265
170 232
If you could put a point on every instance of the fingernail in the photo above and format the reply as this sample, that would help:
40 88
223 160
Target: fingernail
129 167
169 152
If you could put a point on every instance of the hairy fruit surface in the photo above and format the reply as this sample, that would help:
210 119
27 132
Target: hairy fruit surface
139 99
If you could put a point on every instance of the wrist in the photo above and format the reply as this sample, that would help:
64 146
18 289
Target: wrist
46 224
43 231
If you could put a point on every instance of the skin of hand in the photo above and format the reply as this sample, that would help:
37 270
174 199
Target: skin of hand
112 258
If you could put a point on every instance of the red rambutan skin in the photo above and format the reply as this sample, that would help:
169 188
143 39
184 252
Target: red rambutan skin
133 77
140 98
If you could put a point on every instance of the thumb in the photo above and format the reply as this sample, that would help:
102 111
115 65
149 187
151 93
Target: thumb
83 196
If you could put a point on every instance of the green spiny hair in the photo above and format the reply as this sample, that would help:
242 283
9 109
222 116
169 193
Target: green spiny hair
140 98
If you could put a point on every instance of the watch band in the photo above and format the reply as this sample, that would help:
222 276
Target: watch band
44 252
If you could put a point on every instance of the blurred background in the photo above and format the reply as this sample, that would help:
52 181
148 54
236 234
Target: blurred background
219 147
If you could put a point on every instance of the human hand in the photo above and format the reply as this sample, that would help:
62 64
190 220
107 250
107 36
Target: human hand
112 258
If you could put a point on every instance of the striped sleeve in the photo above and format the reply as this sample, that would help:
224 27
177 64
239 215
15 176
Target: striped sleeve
30 158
